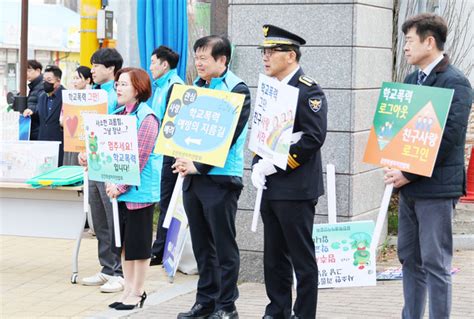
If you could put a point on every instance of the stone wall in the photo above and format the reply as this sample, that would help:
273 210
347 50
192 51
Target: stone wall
349 53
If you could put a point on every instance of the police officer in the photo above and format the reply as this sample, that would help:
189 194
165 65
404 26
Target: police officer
210 193
288 202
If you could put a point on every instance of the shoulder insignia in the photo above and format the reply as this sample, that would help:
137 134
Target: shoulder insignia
314 104
292 163
307 80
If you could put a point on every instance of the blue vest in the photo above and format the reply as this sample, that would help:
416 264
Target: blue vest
161 87
234 164
111 95
150 176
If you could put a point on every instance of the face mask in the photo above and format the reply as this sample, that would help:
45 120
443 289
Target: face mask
48 87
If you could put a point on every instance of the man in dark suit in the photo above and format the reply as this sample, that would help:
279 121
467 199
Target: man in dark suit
34 76
425 241
288 202
49 108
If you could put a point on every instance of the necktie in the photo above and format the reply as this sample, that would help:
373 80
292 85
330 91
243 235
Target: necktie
421 77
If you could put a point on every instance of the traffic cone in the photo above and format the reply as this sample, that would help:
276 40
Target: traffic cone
469 198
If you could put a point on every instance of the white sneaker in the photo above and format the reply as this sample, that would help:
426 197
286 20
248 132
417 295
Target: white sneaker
96 280
114 284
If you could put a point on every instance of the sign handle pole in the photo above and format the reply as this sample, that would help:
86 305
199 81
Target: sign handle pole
174 197
85 191
118 242
381 216
256 209
331 184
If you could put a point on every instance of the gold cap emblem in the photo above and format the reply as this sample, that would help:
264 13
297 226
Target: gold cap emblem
265 31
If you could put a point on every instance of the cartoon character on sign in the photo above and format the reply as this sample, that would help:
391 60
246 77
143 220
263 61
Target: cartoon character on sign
361 243
94 158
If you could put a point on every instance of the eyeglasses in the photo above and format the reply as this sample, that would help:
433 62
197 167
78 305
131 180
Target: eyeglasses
200 58
120 84
269 52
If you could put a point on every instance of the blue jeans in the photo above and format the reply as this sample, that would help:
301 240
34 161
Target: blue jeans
425 249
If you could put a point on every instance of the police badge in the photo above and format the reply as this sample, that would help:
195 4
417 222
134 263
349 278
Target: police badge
314 104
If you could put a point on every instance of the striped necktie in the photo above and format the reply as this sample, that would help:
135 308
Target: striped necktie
421 77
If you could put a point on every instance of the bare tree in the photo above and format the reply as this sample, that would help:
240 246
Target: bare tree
402 10
460 43
460 40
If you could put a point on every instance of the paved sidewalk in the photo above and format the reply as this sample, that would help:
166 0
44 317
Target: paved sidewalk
35 283
35 278
381 301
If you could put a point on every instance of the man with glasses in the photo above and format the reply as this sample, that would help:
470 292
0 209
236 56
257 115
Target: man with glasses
105 64
210 193
290 196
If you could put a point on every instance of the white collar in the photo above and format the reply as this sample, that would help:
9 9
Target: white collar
289 76
432 65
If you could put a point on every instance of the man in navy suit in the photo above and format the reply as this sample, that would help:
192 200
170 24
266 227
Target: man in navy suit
49 108
425 240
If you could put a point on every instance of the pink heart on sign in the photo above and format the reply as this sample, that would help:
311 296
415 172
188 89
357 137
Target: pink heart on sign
71 124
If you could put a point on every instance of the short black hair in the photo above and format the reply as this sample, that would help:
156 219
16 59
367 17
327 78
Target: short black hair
108 57
35 65
295 48
428 24
220 46
55 70
85 72
165 53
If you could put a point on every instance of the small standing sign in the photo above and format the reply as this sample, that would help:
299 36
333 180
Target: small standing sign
344 254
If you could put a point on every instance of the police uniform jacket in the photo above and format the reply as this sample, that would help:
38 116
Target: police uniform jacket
303 177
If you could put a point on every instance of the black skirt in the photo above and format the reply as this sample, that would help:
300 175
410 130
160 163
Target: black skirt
136 232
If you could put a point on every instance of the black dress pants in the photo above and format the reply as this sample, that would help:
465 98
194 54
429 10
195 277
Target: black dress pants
288 245
211 208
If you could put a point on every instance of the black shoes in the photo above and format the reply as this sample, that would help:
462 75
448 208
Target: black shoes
115 304
122 306
155 261
222 314
198 311
271 317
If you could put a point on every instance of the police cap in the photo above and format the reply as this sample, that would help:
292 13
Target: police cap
275 37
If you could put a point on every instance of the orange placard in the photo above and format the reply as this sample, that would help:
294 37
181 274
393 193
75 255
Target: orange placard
76 103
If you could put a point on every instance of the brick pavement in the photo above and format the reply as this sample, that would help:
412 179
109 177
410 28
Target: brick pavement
35 273
381 301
